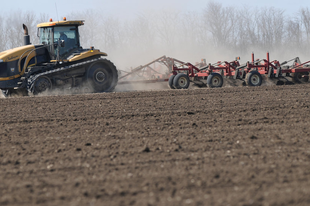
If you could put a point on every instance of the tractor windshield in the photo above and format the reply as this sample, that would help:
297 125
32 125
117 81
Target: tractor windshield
69 35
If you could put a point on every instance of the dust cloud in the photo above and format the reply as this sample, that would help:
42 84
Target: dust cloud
67 90
191 36
141 87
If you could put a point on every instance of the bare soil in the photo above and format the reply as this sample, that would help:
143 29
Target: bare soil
228 146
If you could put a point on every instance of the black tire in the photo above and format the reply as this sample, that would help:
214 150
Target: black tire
170 82
181 81
253 78
300 78
41 84
215 80
102 76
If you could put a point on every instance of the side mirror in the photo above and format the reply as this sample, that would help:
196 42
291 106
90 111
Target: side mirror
62 43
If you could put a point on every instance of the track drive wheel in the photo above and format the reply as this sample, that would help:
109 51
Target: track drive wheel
215 80
170 82
41 84
300 77
253 78
102 76
181 81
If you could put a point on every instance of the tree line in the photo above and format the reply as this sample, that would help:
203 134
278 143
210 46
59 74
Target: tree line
214 30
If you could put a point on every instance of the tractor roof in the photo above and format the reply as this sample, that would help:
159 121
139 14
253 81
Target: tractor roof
61 23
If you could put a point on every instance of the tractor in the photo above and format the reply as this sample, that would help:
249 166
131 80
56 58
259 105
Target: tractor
58 61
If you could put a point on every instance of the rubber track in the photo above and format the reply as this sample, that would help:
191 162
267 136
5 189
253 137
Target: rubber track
32 79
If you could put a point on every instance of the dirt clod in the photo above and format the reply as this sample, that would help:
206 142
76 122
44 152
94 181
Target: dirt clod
253 137
146 149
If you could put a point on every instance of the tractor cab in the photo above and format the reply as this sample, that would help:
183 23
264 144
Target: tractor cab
61 37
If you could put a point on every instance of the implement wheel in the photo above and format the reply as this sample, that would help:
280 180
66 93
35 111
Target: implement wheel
181 81
170 82
42 84
300 77
215 80
253 78
102 76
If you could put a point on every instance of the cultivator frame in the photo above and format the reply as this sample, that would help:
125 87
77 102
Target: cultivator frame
147 73
179 74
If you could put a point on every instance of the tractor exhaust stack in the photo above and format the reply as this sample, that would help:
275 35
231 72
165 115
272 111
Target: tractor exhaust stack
26 36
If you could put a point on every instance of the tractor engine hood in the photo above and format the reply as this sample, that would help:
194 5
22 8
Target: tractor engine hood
14 54
9 67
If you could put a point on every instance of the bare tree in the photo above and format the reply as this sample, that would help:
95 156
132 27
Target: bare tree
171 32
2 35
271 28
141 33
190 29
294 35
14 30
220 22
29 19
33 27
111 34
168 29
246 27
43 17
203 35
89 32
305 22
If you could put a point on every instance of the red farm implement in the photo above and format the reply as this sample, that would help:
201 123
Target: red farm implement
207 75
299 72
179 74
251 73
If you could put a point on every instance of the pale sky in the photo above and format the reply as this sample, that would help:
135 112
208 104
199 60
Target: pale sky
131 8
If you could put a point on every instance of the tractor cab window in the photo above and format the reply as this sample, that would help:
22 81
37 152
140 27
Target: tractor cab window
46 35
69 35
46 38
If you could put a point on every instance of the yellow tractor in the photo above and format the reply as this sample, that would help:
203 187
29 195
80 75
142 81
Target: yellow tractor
58 61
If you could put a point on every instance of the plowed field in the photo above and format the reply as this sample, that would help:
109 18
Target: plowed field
228 146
